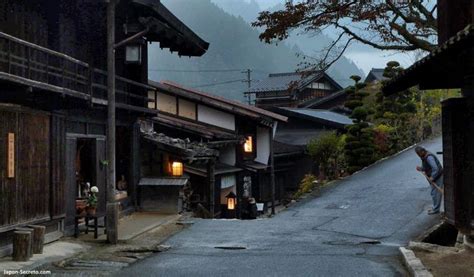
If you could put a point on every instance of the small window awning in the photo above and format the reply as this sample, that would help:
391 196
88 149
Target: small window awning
163 181
254 166
167 29
220 169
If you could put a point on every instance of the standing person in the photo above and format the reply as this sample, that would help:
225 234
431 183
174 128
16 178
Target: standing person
433 170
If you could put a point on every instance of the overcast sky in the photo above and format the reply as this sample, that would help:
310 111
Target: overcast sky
364 57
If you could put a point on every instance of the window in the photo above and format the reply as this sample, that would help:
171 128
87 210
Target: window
248 145
177 169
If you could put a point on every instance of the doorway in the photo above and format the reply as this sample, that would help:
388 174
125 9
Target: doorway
85 156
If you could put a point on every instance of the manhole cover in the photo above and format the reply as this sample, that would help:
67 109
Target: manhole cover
231 247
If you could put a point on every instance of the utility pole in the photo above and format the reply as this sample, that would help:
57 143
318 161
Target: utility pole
112 205
249 84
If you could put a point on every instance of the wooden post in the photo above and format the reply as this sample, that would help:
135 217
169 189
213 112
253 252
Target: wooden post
21 246
38 238
112 206
30 246
211 165
272 170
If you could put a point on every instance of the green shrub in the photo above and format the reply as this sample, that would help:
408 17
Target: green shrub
307 184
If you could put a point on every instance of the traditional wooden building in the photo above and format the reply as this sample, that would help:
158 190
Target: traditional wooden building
451 65
292 160
242 134
292 89
53 107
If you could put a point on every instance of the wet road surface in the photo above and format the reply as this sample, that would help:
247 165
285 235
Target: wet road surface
353 229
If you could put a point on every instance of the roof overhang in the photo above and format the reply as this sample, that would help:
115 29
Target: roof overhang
167 29
442 69
263 116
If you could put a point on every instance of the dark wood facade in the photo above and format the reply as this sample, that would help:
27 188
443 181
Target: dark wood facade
451 65
53 100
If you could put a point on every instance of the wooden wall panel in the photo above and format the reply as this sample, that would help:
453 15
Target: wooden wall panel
8 203
25 197
58 170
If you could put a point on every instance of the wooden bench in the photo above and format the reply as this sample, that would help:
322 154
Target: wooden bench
90 227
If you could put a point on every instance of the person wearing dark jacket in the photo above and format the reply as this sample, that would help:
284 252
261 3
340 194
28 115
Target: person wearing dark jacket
433 170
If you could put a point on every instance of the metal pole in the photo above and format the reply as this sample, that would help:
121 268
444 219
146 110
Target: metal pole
249 84
112 205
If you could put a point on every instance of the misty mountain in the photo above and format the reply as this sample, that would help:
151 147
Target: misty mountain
234 47
310 44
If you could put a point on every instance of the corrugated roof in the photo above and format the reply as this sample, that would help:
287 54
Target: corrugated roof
321 115
299 137
163 181
235 105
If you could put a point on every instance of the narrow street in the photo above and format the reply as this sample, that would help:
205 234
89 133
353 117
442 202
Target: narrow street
354 228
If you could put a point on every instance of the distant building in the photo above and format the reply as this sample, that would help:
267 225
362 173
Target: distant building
293 89
333 102
241 134
292 161
375 75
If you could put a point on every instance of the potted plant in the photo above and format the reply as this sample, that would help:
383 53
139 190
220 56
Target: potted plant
92 201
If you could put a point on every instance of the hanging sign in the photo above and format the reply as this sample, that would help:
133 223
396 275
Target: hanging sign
11 155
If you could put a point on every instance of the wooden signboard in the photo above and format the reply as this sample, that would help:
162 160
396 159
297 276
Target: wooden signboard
11 155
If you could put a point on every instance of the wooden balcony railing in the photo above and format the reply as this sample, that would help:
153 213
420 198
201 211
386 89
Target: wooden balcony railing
34 65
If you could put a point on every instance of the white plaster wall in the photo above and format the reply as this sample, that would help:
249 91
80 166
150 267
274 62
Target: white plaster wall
216 118
263 145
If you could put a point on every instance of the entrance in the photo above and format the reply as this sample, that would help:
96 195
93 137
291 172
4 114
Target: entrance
85 167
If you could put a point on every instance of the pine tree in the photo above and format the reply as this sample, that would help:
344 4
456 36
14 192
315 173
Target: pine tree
359 149
397 110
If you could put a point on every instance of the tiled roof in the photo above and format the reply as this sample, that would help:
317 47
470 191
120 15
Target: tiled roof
437 70
320 115
376 74
283 81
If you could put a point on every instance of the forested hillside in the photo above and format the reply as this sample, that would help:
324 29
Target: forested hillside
234 46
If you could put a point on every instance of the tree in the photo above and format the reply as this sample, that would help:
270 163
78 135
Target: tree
359 148
326 152
398 110
382 24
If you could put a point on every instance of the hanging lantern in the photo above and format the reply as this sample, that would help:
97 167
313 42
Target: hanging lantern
133 54
231 201
177 169
248 145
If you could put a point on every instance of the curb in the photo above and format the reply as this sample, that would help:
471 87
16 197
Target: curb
414 265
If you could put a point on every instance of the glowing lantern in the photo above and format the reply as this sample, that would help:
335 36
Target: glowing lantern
248 145
231 201
177 169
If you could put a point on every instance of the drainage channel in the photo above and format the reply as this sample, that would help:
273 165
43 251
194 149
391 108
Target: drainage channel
231 247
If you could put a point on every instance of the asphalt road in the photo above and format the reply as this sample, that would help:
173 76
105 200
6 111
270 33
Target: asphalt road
353 229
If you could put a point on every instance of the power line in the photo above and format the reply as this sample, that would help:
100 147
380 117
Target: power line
204 70
220 83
